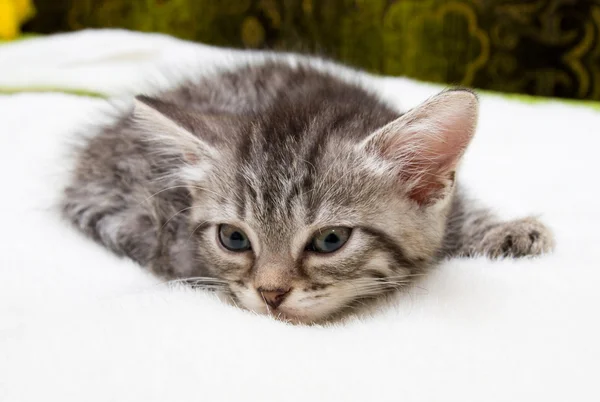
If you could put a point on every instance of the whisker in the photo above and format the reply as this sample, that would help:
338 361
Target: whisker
196 228
199 283
207 286
161 191
177 213
266 304
192 278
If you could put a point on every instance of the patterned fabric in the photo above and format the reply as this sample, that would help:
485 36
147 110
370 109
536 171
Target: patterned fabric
541 47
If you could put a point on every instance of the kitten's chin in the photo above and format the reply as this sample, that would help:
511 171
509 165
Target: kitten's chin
292 316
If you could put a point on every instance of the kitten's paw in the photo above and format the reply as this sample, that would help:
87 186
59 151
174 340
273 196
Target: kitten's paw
519 238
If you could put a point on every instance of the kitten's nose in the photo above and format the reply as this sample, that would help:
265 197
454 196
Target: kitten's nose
273 297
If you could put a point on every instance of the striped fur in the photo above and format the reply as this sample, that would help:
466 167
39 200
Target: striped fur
281 152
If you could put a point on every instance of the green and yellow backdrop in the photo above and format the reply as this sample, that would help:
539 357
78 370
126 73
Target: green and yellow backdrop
540 47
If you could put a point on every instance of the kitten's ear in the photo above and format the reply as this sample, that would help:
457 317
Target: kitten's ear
425 145
168 138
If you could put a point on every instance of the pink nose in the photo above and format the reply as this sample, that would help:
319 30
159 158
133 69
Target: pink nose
273 297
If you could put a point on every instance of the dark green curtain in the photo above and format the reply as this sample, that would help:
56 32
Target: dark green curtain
540 47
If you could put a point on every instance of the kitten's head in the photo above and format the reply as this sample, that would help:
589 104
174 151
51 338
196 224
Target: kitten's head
304 217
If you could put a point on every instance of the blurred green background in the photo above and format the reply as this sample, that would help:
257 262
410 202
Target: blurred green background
539 47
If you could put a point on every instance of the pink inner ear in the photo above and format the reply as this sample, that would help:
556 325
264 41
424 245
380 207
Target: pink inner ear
436 161
430 188
428 142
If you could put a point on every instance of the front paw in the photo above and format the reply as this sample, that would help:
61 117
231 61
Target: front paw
519 238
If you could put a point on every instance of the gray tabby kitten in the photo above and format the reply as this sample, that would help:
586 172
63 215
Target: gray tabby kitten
290 190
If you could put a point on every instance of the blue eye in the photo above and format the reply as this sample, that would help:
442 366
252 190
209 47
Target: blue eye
329 240
233 239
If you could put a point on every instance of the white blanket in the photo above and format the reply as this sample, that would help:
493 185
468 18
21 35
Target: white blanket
78 324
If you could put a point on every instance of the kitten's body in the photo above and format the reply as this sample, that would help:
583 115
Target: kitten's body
277 155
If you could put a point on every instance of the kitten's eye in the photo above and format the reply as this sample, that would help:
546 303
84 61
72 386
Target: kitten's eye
233 239
329 240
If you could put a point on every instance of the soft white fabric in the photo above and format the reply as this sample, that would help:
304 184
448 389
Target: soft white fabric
78 324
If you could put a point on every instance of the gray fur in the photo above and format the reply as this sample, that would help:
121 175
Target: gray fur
280 152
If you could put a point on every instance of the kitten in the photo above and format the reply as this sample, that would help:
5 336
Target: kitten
292 191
